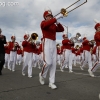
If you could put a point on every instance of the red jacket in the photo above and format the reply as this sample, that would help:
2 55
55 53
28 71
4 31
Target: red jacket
19 51
77 52
97 38
86 45
12 45
73 50
7 49
94 50
49 28
81 49
66 44
58 51
28 47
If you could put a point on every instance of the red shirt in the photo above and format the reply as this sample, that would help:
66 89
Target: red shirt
94 50
19 51
81 49
58 51
86 45
12 45
77 52
74 50
66 44
7 50
28 47
49 28
97 38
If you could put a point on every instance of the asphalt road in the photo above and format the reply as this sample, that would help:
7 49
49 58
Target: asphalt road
71 86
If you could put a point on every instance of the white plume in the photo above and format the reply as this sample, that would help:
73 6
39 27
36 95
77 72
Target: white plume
96 21
47 9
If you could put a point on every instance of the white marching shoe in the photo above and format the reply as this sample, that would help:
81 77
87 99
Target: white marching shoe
13 70
91 73
23 74
30 76
61 69
70 71
52 86
81 68
41 79
66 66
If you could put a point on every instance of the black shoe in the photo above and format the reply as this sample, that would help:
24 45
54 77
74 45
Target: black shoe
0 73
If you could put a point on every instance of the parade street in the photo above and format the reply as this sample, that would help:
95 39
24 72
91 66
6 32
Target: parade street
71 86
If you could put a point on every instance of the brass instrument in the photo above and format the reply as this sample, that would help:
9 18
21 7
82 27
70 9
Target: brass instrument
15 46
77 47
65 12
77 38
34 37
92 42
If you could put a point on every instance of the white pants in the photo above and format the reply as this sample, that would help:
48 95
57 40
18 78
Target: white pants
59 59
34 62
97 64
49 57
82 58
87 59
68 59
74 59
78 59
19 59
27 61
7 60
13 57
93 59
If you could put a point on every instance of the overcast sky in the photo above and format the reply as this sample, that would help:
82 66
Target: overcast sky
20 16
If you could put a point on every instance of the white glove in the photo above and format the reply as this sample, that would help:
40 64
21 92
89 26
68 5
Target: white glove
57 22
59 16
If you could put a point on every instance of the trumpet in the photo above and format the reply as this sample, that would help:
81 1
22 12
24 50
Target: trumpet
34 37
65 12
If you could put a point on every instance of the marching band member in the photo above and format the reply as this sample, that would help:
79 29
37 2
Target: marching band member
74 55
78 57
67 53
87 55
34 62
13 46
49 27
19 56
58 54
28 46
7 55
97 40
2 51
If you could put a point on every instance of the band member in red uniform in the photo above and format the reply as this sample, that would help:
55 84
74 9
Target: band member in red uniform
28 46
19 56
49 27
67 53
87 55
13 46
97 40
